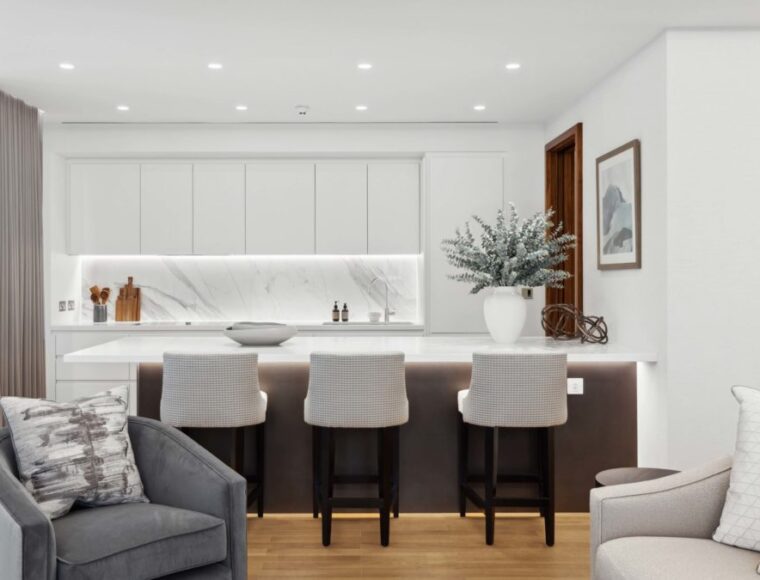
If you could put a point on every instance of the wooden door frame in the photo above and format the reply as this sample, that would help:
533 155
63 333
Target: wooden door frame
572 137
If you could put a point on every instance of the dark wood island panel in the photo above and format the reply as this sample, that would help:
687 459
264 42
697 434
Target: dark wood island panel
600 434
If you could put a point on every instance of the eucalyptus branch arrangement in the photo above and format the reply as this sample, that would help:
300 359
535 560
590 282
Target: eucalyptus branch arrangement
510 253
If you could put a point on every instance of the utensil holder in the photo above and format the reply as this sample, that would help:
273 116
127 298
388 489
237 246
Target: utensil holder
100 313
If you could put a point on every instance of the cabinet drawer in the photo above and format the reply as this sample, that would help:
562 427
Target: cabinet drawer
71 341
90 371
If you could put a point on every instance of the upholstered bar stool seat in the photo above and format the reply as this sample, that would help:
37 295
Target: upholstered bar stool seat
356 391
219 391
512 390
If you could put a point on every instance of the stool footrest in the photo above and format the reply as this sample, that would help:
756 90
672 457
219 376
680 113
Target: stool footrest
356 502
508 478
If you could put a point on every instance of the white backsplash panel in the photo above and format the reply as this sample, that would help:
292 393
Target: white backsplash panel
258 288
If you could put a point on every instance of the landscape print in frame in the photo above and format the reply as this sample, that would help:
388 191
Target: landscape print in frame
618 207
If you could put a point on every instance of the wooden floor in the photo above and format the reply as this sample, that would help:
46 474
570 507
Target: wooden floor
422 546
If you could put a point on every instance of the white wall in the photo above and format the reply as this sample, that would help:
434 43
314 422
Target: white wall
630 104
713 250
523 145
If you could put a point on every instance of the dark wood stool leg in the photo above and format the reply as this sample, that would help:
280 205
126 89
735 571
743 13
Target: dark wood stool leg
331 482
385 478
324 484
463 452
541 456
238 450
549 483
261 445
396 468
490 479
315 471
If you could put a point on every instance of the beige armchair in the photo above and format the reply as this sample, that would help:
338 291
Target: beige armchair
662 529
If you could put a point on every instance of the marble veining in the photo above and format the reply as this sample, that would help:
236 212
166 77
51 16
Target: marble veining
275 288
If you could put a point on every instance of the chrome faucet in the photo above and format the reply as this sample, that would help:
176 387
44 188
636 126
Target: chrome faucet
387 312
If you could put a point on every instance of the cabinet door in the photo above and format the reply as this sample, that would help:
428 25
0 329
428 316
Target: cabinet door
279 208
218 208
341 208
166 208
393 208
458 188
104 208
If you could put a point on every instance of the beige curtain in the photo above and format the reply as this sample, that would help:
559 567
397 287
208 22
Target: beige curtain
22 346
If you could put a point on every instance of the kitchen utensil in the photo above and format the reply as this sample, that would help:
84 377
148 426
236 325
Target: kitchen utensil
104 294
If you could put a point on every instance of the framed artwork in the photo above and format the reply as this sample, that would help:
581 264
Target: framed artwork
618 208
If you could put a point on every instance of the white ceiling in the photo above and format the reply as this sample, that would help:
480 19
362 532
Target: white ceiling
433 59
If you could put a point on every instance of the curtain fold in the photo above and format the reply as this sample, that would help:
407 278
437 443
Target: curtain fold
22 334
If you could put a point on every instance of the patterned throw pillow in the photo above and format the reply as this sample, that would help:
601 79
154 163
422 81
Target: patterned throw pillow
740 520
74 452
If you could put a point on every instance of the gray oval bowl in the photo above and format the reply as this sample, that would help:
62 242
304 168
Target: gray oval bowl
260 333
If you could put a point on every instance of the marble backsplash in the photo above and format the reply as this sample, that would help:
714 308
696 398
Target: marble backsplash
269 288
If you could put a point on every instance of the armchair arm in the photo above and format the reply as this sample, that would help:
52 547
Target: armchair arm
27 541
686 504
178 472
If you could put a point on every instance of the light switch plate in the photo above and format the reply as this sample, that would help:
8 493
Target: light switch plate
61 306
575 386
71 305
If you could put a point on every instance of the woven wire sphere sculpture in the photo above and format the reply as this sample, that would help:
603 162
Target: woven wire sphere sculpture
556 319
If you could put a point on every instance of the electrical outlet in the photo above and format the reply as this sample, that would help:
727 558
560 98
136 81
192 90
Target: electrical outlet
575 386
527 293
61 306
71 305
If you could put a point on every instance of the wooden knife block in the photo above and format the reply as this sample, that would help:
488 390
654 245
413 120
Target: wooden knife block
128 303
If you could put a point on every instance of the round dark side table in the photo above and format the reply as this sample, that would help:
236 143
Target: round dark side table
629 475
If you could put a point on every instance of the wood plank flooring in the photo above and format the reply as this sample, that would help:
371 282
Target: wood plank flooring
422 546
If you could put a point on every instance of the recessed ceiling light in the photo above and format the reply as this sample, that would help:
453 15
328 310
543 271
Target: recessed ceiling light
513 66
479 107
66 66
361 107
241 107
215 65
364 65
122 107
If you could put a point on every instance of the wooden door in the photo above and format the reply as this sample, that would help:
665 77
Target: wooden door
564 193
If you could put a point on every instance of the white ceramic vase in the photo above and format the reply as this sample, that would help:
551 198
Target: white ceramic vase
504 310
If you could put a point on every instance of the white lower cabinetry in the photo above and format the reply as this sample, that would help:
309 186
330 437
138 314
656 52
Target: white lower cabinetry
74 380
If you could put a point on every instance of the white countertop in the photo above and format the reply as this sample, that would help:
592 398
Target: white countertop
451 348
206 326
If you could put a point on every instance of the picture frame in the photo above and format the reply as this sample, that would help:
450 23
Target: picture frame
618 208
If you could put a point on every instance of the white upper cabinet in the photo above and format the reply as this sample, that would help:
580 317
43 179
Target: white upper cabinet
393 197
279 208
218 208
104 208
341 217
166 208
458 187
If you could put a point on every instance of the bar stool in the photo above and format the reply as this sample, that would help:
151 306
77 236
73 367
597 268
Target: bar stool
219 391
515 391
356 391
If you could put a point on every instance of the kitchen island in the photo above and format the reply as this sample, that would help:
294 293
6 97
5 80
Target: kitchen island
601 431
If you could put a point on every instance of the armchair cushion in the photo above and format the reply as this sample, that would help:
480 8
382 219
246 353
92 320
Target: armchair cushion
661 558
74 452
740 520
136 542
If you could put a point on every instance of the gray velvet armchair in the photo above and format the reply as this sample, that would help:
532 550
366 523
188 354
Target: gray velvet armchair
662 529
194 528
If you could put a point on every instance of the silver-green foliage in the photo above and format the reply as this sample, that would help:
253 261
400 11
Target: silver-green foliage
513 253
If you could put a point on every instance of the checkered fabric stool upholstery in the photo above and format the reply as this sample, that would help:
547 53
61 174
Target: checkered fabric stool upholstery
512 390
356 391
204 392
